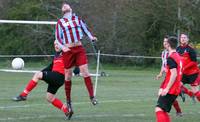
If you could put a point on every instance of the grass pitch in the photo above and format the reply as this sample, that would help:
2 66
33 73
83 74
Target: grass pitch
126 95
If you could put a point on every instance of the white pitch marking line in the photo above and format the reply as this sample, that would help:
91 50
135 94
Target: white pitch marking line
76 116
76 103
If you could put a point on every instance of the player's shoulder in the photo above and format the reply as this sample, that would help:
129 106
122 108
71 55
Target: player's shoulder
174 55
190 47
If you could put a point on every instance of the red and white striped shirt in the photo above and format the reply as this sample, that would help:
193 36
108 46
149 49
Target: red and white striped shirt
164 57
69 29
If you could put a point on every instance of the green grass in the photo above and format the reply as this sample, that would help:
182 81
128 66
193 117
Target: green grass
127 95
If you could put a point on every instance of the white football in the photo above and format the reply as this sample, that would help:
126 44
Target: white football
17 63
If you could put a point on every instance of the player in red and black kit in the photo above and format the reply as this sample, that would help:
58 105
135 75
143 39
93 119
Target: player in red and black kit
190 66
171 85
164 57
53 75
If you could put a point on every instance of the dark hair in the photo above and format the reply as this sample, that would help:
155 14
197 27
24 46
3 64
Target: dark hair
173 41
64 2
166 36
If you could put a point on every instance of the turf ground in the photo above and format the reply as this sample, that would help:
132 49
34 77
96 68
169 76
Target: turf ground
127 95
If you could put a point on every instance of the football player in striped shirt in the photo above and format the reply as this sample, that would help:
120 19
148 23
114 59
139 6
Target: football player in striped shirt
70 30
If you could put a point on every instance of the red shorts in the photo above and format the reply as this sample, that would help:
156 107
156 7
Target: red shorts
75 57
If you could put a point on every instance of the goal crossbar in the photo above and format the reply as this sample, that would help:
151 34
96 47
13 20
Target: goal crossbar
28 22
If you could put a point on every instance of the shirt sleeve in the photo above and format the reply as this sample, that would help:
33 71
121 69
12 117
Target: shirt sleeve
86 30
193 55
58 35
171 63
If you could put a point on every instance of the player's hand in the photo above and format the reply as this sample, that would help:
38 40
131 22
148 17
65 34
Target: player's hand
164 92
158 76
65 49
160 91
94 38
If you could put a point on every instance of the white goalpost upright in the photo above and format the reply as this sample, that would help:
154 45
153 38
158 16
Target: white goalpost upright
97 72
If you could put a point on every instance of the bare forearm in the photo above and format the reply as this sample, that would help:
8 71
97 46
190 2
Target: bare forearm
172 79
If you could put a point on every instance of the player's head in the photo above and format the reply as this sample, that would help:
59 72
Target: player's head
172 42
56 47
66 8
184 39
165 41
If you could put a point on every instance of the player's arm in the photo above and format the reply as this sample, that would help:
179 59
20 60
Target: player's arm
161 85
160 73
58 35
87 31
193 57
48 68
173 69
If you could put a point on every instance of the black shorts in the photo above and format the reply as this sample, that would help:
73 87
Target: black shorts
189 79
165 102
54 80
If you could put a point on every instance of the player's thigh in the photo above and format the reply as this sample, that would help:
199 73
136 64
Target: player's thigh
81 57
68 59
165 102
53 78
53 88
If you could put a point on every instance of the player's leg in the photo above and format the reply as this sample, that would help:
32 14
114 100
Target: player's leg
187 91
29 87
195 85
163 106
161 116
55 81
58 104
81 62
177 108
68 85
88 82
195 90
189 79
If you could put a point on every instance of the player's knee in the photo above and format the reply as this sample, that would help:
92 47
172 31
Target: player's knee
84 71
37 76
68 76
158 109
85 74
50 97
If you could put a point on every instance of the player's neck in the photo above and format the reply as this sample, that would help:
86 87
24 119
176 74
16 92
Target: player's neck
184 45
171 51
67 15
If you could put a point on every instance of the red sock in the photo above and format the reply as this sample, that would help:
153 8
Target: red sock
177 107
89 85
68 85
58 104
28 88
162 116
197 94
186 91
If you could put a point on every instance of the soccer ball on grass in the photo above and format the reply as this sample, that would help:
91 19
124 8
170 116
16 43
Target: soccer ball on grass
17 63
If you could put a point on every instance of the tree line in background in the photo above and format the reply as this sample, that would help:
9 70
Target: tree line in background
131 27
